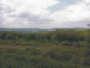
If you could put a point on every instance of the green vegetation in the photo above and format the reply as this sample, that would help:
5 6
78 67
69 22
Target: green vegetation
53 49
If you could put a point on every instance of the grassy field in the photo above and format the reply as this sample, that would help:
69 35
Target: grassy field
55 49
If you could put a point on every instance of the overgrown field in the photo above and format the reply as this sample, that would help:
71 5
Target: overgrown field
52 49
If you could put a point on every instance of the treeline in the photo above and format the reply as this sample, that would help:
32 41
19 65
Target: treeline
63 35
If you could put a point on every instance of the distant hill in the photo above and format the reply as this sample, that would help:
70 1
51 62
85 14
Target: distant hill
25 29
38 29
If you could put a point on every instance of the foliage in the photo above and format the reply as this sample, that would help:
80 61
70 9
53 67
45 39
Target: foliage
54 49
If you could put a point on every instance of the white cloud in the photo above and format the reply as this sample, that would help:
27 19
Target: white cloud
72 13
31 6
35 13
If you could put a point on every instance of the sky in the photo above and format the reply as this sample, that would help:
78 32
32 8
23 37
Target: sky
44 13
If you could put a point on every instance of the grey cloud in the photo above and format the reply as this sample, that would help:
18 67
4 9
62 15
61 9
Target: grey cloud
7 12
33 18
9 17
79 24
5 9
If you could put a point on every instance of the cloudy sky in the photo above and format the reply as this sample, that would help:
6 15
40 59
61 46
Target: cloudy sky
44 13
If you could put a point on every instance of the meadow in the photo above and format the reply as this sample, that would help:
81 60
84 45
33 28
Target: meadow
49 49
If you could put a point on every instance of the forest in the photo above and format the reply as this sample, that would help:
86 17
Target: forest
49 49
